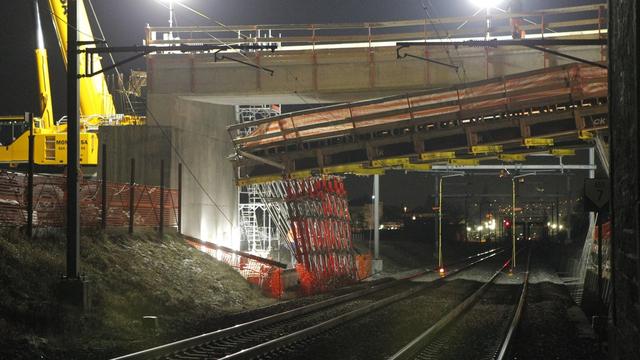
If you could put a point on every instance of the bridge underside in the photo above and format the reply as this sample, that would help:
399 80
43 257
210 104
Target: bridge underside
562 105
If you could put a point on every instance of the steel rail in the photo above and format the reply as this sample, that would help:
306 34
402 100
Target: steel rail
300 335
412 349
504 348
185 344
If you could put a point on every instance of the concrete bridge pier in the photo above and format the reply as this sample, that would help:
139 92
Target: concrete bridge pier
191 132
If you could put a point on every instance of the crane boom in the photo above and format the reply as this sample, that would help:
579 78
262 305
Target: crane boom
95 98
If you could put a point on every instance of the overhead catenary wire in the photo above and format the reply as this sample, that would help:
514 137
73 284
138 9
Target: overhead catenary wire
75 28
293 76
430 16
113 61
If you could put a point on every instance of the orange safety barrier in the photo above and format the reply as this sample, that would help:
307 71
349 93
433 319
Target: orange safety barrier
49 202
263 273
363 264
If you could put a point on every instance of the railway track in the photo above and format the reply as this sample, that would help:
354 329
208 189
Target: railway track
481 327
265 337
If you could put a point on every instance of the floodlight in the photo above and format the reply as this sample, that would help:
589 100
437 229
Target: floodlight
486 4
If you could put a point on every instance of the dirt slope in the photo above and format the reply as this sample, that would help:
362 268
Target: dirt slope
130 277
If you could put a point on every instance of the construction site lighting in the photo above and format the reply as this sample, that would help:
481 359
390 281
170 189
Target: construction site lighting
486 4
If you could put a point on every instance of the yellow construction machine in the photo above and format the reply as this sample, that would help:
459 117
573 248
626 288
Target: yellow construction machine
96 104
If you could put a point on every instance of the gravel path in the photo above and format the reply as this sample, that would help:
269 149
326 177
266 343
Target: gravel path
546 332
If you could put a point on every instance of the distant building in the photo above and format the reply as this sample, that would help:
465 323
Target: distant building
361 211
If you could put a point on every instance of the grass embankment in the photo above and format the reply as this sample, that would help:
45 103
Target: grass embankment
130 277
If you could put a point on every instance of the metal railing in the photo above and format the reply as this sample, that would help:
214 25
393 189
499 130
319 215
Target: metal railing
541 22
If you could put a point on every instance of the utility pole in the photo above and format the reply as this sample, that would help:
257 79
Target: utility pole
72 288
73 143
440 262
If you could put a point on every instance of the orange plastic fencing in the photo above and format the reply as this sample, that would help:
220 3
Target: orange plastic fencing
363 263
49 202
262 273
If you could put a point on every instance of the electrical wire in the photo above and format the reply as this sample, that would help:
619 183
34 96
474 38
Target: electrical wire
199 13
430 15
113 61
73 27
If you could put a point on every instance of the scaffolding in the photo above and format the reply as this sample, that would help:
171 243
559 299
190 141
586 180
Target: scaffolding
258 234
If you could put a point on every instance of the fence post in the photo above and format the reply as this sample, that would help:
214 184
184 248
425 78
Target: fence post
29 117
105 212
161 222
180 198
132 190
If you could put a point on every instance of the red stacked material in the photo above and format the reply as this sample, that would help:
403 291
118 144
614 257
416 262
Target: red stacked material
320 225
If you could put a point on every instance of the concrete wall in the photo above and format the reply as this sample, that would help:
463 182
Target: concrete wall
143 143
624 113
198 132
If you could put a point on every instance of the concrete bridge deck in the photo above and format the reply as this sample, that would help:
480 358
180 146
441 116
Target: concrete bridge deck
327 63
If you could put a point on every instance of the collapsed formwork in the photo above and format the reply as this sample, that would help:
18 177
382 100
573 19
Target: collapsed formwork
312 214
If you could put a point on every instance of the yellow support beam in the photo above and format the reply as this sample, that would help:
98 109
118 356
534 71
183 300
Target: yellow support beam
562 152
486 149
339 169
417 167
464 162
369 172
444 155
585 135
537 142
258 180
12 118
512 157
302 174
400 161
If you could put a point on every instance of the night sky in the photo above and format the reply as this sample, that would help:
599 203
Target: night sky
124 20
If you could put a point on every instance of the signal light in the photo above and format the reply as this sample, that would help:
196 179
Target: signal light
507 223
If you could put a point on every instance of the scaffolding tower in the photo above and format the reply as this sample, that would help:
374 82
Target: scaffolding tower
258 234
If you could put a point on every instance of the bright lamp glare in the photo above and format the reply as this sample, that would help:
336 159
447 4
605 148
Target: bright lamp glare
486 3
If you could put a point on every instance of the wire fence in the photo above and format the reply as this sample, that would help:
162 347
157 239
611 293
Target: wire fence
49 203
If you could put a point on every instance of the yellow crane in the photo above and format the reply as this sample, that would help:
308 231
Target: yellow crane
96 104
